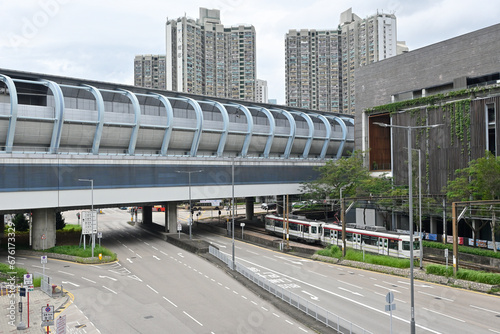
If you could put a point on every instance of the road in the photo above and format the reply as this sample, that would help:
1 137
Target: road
359 295
157 287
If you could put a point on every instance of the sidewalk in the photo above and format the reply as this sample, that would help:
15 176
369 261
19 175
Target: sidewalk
76 321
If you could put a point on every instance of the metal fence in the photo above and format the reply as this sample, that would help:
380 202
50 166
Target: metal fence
328 318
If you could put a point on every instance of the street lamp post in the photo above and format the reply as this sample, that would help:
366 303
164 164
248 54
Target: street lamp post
232 214
410 209
189 172
420 206
91 210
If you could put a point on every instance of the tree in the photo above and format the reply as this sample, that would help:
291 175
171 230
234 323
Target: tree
60 223
479 181
20 222
350 175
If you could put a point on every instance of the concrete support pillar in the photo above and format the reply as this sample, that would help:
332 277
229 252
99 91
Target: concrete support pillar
280 208
171 217
2 225
44 228
249 207
147 214
433 225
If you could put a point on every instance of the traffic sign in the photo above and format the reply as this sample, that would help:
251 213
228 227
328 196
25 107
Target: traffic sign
61 325
28 279
89 222
44 259
48 313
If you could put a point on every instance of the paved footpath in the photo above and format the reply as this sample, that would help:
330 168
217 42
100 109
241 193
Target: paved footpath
76 321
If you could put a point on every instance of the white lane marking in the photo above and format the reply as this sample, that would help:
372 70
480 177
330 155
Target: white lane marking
384 287
313 297
494 331
154 247
164 253
105 287
340 296
199 323
180 254
355 286
312 272
276 315
253 302
40 267
291 323
444 315
149 286
156 257
129 260
354 293
138 255
303 329
255 253
265 309
63 272
436 296
146 243
64 282
85 278
270 258
111 278
485 309
169 301
235 292
244 297
395 285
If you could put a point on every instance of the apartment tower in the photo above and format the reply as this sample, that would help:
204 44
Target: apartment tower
205 57
149 71
320 64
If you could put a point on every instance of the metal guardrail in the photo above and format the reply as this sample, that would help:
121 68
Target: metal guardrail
319 313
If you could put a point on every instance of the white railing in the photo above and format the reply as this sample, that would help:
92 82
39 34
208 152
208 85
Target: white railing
328 318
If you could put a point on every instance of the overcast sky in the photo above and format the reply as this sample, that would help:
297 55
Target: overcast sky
98 39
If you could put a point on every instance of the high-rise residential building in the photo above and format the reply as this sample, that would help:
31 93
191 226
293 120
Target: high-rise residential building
261 94
320 64
312 69
149 71
204 57
363 41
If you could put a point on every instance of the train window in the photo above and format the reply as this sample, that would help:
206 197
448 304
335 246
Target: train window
416 245
278 224
294 227
406 245
348 236
314 229
393 244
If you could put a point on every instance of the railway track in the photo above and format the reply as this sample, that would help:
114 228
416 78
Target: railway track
464 265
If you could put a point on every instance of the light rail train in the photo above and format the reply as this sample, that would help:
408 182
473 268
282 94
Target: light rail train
374 239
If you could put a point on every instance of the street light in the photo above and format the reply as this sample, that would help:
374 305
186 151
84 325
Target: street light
189 172
420 205
410 204
232 214
91 210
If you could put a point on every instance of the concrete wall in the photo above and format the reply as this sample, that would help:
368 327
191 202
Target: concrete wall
470 55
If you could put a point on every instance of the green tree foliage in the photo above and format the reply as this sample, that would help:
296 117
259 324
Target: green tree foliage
350 175
20 222
479 181
60 223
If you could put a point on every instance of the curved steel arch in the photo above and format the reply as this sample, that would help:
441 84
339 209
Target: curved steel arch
344 134
310 123
225 129
272 130
59 113
328 134
293 131
248 137
170 116
100 116
11 131
137 120
199 123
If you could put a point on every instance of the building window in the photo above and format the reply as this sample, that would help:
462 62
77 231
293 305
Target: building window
491 127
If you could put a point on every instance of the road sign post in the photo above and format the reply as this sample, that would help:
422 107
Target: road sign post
47 316
242 226
389 298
